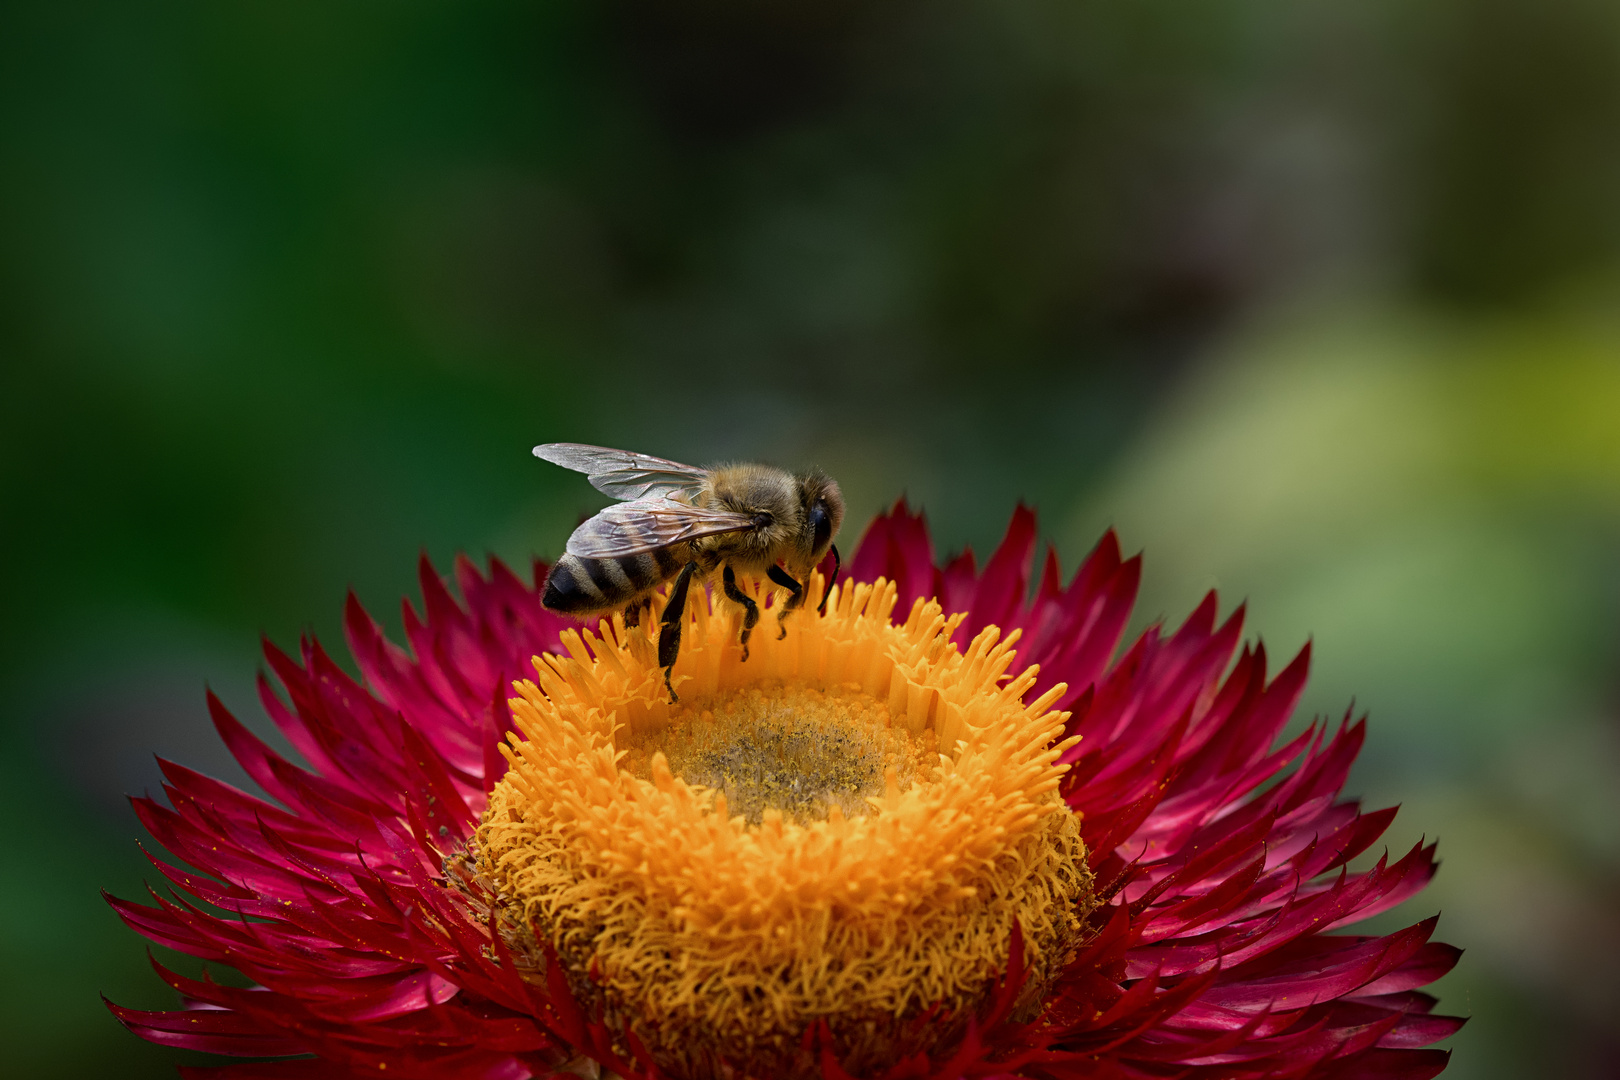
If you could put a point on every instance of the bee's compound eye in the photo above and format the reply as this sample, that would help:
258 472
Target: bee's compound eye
822 524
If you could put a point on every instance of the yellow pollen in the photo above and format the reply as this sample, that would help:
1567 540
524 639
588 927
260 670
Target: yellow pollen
843 829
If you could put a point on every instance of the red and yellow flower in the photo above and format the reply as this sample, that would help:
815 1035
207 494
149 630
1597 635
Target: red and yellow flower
939 831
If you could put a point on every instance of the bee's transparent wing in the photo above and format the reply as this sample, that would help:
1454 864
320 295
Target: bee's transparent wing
630 528
622 474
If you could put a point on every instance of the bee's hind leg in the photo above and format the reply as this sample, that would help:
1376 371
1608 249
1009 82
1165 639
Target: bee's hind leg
669 635
784 579
750 609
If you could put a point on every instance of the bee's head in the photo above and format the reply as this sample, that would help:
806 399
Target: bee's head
823 512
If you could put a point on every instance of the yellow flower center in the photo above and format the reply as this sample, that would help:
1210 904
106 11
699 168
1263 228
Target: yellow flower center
843 829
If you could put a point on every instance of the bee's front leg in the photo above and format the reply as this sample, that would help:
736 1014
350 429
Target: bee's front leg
674 617
826 591
796 597
750 609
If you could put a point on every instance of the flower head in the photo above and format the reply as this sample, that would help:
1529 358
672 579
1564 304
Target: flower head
937 831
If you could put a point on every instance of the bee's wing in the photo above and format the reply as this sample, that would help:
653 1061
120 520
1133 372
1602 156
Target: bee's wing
622 474
630 528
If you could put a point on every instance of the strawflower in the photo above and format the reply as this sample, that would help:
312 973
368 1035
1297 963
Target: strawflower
939 831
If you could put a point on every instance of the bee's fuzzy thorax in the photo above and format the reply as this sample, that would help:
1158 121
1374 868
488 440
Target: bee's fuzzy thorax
770 493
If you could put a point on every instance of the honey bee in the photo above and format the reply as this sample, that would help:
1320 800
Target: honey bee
678 522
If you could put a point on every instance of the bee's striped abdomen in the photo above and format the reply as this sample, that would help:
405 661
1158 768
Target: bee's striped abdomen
579 586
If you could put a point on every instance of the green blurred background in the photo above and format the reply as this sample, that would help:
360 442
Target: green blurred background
1316 301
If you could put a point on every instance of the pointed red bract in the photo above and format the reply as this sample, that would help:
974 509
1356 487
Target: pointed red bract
1222 856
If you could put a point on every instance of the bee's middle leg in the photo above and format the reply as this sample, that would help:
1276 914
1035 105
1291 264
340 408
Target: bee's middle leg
750 609
669 635
635 610
795 598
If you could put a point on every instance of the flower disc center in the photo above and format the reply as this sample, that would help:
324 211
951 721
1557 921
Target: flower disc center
794 749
